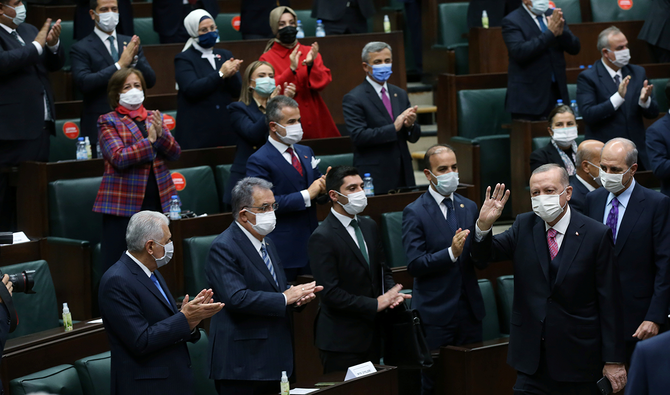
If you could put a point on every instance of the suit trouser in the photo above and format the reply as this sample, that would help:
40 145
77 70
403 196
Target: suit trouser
353 22
246 387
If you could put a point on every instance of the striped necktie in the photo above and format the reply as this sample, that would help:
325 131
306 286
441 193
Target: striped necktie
268 263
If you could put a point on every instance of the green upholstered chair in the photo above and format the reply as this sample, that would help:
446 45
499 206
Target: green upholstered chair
392 239
224 22
571 11
335 160
659 93
609 10
199 194
61 380
144 28
539 142
506 297
70 209
222 175
472 104
198 351
572 92
452 21
490 324
308 23
64 146
196 250
95 373
39 311
67 41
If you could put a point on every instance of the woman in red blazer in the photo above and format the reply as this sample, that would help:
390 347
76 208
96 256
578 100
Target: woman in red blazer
301 65
135 144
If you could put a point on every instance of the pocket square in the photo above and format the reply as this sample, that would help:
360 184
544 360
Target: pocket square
315 162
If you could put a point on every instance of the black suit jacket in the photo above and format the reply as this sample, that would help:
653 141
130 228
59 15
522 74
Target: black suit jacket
168 15
347 320
595 86
334 10
580 317
255 15
656 28
546 154
84 25
658 146
92 67
24 80
534 56
378 148
649 367
203 99
579 192
642 249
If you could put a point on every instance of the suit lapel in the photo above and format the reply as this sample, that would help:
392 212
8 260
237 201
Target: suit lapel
530 23
541 247
289 171
344 235
395 102
376 100
572 240
143 279
606 79
632 214
435 213
255 257
599 209
161 281
99 46
306 161
130 124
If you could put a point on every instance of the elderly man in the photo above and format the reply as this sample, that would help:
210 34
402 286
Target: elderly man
614 96
639 219
567 326
147 334
381 121
658 145
251 341
587 178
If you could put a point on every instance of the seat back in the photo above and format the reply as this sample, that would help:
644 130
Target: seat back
198 352
572 92
335 160
39 311
71 209
196 250
495 164
144 28
490 324
67 41
659 93
170 120
453 23
229 26
308 23
622 10
571 11
222 175
64 144
61 380
474 104
198 190
392 239
95 373
506 298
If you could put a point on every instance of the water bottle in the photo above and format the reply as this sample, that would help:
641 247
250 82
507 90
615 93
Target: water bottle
559 103
284 386
87 143
175 209
81 149
301 33
485 20
368 186
575 109
320 30
387 24
98 151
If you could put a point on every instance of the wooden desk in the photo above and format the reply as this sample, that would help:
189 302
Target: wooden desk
383 382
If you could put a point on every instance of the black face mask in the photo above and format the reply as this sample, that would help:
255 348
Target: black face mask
287 34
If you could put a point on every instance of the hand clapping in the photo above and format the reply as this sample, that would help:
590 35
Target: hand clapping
230 67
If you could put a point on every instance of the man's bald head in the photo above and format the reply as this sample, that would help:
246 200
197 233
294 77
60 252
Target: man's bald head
589 150
620 149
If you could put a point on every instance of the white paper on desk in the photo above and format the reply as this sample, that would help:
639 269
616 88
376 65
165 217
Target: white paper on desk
98 321
20 237
360 370
299 391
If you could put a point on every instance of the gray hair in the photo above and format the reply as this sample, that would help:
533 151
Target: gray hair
631 149
144 226
604 37
273 111
374 47
243 193
565 179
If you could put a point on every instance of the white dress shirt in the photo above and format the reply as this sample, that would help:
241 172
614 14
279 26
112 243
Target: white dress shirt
282 148
207 53
544 18
346 222
616 98
586 184
104 38
623 198
378 88
140 264
443 208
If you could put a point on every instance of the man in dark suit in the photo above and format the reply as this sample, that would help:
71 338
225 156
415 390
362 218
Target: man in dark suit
381 121
344 17
613 95
99 55
656 30
567 325
587 178
147 334
650 366
297 182
536 39
639 219
347 258
28 113
446 292
254 17
168 17
658 147
83 25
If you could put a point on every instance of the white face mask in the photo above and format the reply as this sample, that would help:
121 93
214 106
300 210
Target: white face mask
357 202
293 133
621 58
446 183
540 7
265 222
132 99
564 137
547 207
169 251
20 14
596 178
613 182
108 21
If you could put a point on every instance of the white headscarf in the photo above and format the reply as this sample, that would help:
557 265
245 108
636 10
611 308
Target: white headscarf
192 23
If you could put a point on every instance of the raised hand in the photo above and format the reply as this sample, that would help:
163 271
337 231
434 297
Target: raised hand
492 207
129 51
295 57
309 60
54 34
556 22
391 298
157 123
289 89
646 91
41 37
199 308
623 87
230 67
458 242
410 116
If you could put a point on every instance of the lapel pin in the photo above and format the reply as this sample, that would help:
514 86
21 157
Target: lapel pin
395 95
305 156
576 233
462 205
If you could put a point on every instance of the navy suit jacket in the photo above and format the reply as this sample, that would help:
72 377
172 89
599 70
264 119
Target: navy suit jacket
580 316
250 339
595 86
295 222
251 128
25 78
92 67
534 56
438 281
649 367
658 149
147 335
84 25
546 154
168 15
642 248
579 192
378 148
203 99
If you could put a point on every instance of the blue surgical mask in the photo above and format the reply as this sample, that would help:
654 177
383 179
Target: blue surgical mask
265 86
208 40
382 72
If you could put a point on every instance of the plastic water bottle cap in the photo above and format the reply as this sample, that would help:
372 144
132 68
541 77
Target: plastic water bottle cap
484 14
366 175
80 139
573 101
175 197
319 21
559 101
299 21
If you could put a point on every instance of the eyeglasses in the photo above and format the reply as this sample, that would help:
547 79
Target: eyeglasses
206 30
266 208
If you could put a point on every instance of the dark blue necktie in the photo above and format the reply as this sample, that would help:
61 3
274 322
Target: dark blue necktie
451 214
157 284
268 263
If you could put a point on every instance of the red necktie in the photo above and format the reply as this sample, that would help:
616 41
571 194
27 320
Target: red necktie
553 245
294 160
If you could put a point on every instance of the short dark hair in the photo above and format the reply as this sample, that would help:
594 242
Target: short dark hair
116 82
437 148
93 4
273 111
558 110
336 175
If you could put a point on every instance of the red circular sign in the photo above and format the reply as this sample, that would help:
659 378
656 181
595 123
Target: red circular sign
71 130
236 23
179 181
552 5
625 4
169 121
